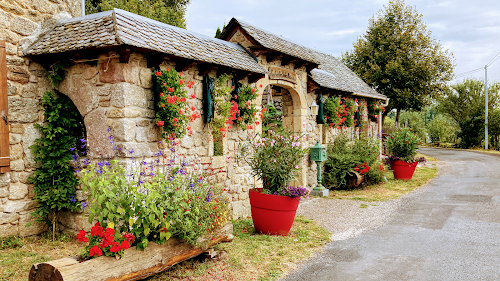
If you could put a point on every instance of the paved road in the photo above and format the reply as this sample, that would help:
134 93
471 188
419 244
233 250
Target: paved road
449 232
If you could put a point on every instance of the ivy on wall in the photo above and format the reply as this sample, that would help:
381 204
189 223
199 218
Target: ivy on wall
54 179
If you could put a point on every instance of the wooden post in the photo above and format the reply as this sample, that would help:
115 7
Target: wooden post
4 110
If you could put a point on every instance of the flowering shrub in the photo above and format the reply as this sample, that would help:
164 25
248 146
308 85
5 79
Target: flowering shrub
294 192
374 109
345 158
403 144
339 113
174 110
104 242
271 117
274 157
155 199
233 107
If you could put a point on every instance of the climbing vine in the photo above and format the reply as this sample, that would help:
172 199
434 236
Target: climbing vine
339 113
54 180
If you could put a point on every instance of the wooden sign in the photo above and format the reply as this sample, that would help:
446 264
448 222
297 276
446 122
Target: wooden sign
278 73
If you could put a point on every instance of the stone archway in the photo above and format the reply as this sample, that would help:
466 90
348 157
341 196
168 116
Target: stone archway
296 115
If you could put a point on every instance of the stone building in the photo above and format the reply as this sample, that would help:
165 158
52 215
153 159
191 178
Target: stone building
113 55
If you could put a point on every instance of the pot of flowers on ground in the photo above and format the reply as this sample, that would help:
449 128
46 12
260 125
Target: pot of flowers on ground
274 158
403 145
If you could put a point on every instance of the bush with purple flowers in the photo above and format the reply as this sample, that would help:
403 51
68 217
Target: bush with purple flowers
294 192
156 198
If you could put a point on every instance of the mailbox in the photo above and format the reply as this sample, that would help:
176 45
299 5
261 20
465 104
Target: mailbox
318 153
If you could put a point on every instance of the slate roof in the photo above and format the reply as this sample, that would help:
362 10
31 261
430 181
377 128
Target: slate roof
333 74
274 42
119 27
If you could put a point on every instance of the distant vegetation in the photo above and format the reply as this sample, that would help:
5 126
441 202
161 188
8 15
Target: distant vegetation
167 11
457 118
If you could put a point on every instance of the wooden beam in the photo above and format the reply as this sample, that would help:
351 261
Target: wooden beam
310 66
224 70
205 68
255 77
241 74
183 65
155 59
124 55
259 50
312 86
288 60
300 63
270 57
4 111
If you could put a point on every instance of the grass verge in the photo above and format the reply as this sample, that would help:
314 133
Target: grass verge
392 189
253 256
17 258
250 256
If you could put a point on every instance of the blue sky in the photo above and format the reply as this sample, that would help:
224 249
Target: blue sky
470 29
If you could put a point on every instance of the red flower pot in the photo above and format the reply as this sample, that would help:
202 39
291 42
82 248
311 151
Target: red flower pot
403 170
272 214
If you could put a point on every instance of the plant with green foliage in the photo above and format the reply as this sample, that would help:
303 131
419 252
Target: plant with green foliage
174 110
11 242
346 157
155 200
403 144
57 72
443 129
415 121
374 109
271 117
339 113
399 58
54 180
274 157
465 103
167 11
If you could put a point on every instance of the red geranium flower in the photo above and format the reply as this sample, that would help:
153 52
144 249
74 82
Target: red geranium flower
81 236
95 251
160 123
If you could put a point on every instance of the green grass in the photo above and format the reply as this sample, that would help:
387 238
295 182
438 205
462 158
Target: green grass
253 256
17 255
392 189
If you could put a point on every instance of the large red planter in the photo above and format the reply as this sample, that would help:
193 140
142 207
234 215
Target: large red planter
403 170
272 214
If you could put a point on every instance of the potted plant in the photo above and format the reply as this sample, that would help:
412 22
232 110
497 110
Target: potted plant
403 145
274 157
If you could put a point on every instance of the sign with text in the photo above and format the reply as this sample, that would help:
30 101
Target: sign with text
278 73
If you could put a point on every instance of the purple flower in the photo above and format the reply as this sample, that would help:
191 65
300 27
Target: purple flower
73 200
71 149
209 197
84 205
131 151
100 164
82 140
86 161
106 163
74 157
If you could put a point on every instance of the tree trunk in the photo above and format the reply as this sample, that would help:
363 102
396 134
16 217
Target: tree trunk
397 117
134 265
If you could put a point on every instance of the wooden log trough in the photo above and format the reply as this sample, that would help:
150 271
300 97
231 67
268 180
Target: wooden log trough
134 265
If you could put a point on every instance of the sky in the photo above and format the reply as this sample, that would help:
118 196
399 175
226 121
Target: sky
470 29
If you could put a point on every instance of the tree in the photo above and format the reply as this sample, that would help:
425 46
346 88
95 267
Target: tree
218 32
399 58
167 11
464 102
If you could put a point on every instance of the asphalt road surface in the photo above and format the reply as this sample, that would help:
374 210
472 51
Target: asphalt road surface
451 231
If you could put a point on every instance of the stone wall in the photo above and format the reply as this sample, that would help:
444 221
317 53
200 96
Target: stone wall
26 82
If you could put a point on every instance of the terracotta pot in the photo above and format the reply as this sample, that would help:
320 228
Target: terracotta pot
272 214
403 170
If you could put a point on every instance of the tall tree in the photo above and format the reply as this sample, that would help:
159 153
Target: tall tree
464 102
167 11
399 58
